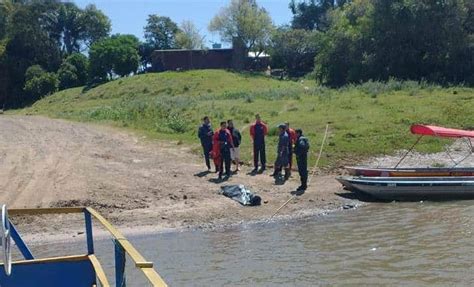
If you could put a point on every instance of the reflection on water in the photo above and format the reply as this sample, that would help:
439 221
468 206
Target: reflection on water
380 244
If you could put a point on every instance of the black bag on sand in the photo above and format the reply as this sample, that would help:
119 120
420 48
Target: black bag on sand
240 194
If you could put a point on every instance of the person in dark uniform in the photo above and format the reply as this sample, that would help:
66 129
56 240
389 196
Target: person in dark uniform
237 139
258 132
223 143
282 160
301 152
205 134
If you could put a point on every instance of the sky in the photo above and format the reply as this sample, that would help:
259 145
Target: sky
129 16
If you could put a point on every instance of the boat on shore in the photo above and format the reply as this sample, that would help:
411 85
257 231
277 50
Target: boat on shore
423 130
72 270
411 188
410 172
418 182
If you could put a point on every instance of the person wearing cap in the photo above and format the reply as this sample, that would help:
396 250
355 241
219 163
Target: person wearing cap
282 160
258 132
301 152
292 134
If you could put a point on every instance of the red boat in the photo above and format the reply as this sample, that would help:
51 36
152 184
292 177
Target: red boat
422 130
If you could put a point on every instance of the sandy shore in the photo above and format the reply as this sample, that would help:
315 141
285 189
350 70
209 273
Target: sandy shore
141 186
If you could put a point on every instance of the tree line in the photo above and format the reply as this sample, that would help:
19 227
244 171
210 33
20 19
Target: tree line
49 45
46 45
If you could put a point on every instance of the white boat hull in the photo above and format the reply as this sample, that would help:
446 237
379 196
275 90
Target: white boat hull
410 188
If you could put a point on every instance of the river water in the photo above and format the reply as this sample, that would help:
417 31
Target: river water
381 244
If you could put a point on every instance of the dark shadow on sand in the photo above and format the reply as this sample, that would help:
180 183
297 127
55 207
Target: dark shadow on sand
297 192
202 173
252 173
219 180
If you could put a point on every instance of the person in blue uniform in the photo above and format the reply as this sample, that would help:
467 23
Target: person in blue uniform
301 152
258 132
205 134
283 154
237 139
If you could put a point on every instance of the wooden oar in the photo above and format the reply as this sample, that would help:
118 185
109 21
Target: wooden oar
312 173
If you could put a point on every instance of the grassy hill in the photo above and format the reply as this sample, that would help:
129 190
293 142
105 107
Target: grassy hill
369 119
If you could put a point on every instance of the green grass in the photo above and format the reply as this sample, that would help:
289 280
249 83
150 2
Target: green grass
367 120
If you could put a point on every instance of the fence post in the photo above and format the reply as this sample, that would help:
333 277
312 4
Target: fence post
90 237
120 280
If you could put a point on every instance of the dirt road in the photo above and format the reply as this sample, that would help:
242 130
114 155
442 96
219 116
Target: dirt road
132 181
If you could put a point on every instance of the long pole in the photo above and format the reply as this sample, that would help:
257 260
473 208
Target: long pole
312 173
405 155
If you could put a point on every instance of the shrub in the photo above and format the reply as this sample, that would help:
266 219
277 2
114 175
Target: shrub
67 76
177 123
39 83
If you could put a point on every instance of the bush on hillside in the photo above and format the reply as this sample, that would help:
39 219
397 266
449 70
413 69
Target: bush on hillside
73 72
40 83
177 123
67 76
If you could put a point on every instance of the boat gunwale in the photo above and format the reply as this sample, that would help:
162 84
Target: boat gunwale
411 180
409 169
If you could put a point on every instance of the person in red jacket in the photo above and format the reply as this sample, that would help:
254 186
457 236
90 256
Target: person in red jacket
293 137
258 132
222 143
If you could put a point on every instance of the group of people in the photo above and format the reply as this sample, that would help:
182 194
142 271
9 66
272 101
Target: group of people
223 146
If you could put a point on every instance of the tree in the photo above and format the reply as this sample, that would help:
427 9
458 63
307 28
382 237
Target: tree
42 33
431 41
67 76
96 25
74 28
63 25
81 63
3 20
28 44
341 58
312 14
145 51
405 39
245 21
160 32
117 55
294 50
39 83
34 71
73 71
5 9
189 37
